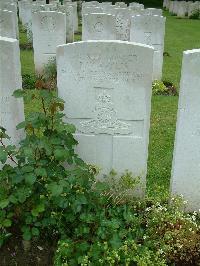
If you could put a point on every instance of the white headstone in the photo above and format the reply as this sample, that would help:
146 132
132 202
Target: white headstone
11 109
186 159
11 7
182 9
120 4
49 31
111 82
168 4
91 9
171 6
75 12
150 30
7 24
123 22
68 11
175 7
153 11
98 27
136 6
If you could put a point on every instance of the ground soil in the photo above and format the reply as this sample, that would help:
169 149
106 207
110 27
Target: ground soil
15 252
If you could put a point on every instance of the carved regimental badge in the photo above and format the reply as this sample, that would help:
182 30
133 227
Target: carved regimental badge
105 121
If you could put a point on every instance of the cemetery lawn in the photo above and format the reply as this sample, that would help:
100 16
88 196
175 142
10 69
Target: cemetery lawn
181 34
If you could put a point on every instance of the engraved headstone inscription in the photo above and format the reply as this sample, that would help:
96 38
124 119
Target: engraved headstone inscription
98 27
107 89
49 31
150 30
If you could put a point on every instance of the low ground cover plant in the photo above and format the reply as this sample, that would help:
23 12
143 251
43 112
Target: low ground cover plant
47 190
163 88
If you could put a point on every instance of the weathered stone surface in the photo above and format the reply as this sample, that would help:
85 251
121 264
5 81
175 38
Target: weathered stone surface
49 31
11 109
123 22
92 9
152 11
7 24
98 27
186 160
68 11
107 89
11 7
150 30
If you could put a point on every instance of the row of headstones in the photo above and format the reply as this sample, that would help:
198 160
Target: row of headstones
121 15
147 30
51 28
182 8
46 28
27 8
111 82
104 21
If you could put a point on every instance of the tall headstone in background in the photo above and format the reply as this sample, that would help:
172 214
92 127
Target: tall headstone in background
182 9
25 14
120 4
11 7
98 27
150 30
11 109
186 160
92 9
7 24
136 6
49 31
111 82
153 11
123 23
75 12
68 11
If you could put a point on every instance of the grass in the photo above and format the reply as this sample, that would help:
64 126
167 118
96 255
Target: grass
181 34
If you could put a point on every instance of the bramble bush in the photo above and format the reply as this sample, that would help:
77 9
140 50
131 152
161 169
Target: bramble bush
46 189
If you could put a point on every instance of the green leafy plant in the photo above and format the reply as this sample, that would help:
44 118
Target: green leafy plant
46 189
34 186
163 88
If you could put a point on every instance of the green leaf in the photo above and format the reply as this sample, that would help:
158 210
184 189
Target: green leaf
35 231
40 207
61 154
30 179
27 235
55 189
34 212
41 171
13 199
19 93
70 128
28 151
21 125
7 223
27 169
4 203
3 155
